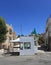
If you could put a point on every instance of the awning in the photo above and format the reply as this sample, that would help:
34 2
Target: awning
16 40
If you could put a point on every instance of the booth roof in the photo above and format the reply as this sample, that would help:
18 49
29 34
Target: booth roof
16 40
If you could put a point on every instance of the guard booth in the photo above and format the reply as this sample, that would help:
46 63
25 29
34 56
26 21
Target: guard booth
24 45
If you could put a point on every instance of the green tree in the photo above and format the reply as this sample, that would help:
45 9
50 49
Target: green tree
41 40
34 32
3 31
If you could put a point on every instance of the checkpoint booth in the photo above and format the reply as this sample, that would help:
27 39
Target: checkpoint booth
24 45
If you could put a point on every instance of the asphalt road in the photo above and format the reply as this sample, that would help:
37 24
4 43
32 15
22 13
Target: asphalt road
40 59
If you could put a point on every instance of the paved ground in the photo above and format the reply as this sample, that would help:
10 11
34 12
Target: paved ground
40 59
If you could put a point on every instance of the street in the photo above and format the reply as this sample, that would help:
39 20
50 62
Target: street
40 59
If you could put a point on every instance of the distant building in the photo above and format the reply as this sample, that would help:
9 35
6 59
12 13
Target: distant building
42 35
11 35
48 33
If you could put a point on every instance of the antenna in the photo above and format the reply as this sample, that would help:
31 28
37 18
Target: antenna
21 29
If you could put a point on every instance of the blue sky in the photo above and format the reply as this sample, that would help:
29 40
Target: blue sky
28 13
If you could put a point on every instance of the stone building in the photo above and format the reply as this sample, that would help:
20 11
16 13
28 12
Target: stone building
48 33
9 36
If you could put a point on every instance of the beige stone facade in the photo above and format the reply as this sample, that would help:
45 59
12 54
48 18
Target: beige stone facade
48 33
10 36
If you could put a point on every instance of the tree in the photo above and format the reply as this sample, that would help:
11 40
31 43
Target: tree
34 32
41 40
3 31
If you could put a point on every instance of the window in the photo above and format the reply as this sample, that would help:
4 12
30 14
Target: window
10 31
21 46
10 38
27 45
18 45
